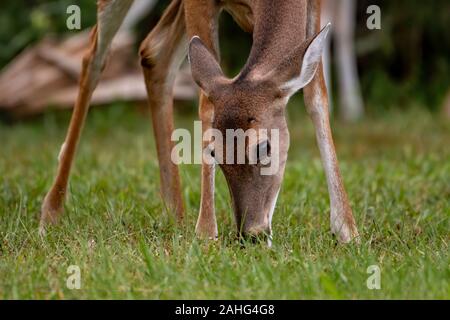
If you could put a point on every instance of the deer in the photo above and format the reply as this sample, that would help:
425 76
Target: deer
286 56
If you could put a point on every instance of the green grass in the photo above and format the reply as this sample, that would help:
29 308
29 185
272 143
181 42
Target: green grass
396 169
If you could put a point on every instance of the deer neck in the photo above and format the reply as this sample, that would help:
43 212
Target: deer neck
279 27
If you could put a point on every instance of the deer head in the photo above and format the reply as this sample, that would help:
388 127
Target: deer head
255 99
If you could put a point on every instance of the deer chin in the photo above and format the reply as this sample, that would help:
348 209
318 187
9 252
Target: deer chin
268 229
253 211
272 210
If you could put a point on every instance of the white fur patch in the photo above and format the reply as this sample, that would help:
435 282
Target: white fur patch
63 148
311 61
270 216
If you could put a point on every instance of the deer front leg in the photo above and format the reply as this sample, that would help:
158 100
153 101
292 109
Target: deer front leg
207 29
316 100
206 224
110 16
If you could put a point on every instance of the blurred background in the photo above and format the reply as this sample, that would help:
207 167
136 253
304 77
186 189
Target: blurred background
405 64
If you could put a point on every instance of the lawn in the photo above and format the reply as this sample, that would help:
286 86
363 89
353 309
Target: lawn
396 168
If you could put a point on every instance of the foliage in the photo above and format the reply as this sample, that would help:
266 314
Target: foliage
23 22
411 57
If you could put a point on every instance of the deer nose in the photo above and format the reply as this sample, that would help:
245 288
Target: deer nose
256 234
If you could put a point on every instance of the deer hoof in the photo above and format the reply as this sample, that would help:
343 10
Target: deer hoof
206 232
345 232
50 213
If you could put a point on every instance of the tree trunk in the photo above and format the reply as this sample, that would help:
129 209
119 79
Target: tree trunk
351 102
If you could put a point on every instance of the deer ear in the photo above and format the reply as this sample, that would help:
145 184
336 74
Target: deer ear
311 60
205 69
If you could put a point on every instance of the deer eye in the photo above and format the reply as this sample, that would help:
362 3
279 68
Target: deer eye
251 120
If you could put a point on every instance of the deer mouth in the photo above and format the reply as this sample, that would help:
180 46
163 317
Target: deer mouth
255 226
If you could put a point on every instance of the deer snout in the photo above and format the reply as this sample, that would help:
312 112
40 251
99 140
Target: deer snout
257 234
257 230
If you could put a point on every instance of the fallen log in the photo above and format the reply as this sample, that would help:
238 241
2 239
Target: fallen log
46 76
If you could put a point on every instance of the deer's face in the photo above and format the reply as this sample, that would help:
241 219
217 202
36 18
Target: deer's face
249 115
251 119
